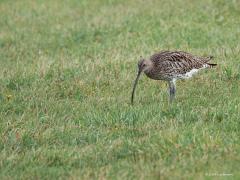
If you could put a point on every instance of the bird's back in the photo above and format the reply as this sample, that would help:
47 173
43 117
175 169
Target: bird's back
175 64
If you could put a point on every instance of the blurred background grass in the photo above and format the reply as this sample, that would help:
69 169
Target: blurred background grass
67 69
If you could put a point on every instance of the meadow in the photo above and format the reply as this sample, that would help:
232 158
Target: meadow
67 70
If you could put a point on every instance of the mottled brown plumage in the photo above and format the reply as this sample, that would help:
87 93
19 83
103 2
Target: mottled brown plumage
170 66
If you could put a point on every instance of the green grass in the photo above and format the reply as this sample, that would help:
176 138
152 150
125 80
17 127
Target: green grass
67 69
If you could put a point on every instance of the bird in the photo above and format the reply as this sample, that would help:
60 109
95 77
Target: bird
171 66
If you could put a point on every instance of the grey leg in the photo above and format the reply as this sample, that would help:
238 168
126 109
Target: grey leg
172 90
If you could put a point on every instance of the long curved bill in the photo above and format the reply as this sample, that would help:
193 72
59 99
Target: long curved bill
134 86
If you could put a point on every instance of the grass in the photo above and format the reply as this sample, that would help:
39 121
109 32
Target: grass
67 69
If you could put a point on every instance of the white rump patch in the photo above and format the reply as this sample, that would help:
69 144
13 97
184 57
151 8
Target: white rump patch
192 72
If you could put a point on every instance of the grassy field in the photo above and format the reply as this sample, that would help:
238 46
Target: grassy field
67 69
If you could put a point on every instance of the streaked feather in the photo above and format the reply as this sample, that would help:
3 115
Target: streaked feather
175 64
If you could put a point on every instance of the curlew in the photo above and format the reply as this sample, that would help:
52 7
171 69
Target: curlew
170 66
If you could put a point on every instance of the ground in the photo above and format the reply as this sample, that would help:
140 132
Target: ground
67 70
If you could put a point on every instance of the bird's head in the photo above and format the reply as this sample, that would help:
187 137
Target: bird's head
143 66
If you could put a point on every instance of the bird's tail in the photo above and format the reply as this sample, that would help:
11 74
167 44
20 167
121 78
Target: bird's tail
210 57
211 64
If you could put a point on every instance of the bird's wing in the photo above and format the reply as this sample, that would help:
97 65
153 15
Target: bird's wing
178 61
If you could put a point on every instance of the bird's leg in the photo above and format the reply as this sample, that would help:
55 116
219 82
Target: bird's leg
172 90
